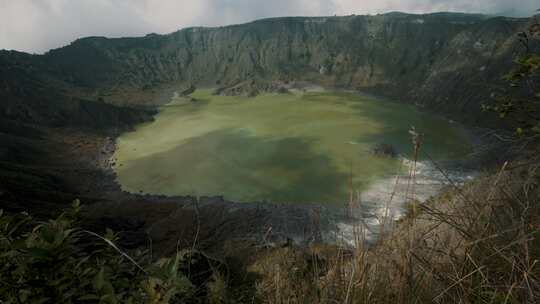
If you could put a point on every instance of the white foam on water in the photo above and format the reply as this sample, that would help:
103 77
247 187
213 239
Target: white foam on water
385 201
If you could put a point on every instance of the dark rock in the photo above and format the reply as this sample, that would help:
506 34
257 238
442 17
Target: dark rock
384 150
282 90
188 91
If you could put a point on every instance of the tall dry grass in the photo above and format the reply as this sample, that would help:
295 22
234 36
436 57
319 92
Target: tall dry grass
476 243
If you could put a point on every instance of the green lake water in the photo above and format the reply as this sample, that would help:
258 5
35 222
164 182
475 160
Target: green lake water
291 148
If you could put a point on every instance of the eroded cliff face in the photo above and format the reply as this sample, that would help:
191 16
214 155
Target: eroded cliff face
440 61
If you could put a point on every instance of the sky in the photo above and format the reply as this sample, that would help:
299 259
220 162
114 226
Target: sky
36 26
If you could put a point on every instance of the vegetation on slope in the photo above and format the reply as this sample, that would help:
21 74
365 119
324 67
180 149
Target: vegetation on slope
479 244
520 105
473 244
59 262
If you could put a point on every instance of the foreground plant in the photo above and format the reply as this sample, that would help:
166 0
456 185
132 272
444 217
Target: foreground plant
57 262
520 103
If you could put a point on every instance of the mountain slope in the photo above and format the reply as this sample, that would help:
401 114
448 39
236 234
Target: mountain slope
441 61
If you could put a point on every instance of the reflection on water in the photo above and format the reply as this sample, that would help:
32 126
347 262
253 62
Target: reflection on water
292 148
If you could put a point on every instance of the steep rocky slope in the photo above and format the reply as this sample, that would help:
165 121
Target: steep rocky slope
441 61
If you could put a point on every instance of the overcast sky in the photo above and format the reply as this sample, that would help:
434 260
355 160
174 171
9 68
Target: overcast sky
38 25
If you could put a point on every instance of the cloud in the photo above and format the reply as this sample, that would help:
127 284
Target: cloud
513 7
172 15
39 25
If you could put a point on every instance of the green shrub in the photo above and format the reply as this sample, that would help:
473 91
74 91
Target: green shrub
519 105
57 262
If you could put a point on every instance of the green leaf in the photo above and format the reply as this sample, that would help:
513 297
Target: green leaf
39 253
108 298
23 295
48 234
109 235
99 279
76 204
88 297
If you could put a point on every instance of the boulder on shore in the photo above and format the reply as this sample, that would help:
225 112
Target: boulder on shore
188 91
